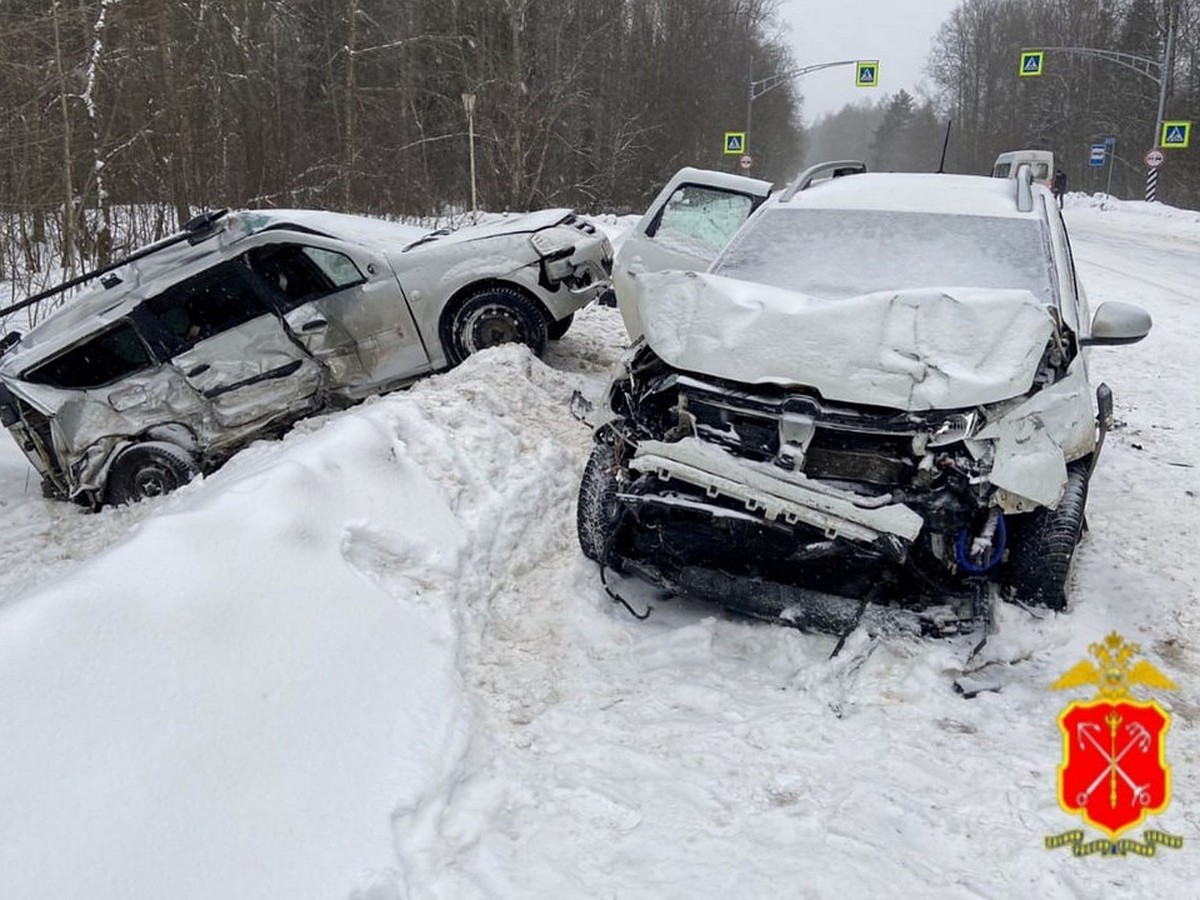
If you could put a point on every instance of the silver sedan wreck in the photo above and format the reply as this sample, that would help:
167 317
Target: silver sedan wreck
249 320
873 406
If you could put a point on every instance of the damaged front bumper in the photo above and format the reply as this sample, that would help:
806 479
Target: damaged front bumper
575 255
835 513
726 489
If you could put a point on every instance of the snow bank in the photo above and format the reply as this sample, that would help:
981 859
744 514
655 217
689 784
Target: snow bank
233 701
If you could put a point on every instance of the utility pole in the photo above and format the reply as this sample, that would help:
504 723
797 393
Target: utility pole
468 101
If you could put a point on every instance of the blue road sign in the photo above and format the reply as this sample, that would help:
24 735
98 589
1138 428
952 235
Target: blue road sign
1176 134
1097 155
1031 63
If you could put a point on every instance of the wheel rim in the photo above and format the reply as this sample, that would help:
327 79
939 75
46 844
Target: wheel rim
154 481
492 325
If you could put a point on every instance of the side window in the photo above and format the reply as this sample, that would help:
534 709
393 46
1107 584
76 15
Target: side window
338 267
196 309
102 359
702 219
297 274
1001 170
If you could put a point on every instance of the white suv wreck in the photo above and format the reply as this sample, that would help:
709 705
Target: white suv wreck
247 321
875 399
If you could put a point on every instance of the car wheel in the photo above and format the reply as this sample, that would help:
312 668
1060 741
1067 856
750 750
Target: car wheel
149 470
1042 546
555 329
598 511
494 316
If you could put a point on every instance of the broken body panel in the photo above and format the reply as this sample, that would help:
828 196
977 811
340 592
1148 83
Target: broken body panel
268 317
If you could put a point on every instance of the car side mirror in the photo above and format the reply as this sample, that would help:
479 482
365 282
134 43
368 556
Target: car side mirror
1117 323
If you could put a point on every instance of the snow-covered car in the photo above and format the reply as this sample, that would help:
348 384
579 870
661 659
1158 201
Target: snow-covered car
875 397
249 320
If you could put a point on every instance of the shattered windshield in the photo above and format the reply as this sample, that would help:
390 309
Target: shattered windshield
837 253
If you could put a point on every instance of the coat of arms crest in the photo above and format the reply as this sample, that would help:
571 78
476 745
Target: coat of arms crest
1114 770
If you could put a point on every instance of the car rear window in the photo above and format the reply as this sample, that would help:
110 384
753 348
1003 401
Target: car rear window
101 359
837 253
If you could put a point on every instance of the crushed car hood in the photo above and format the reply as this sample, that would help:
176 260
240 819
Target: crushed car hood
932 348
524 223
385 235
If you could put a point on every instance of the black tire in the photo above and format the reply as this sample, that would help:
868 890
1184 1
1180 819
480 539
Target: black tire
1042 546
490 317
147 470
598 512
556 329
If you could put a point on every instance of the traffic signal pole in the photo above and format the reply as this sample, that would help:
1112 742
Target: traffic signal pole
755 89
1157 71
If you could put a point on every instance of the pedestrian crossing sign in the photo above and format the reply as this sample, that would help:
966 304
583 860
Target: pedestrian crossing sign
1176 135
1031 63
735 143
867 73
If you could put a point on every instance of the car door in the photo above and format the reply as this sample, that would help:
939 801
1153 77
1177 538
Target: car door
218 331
690 221
344 304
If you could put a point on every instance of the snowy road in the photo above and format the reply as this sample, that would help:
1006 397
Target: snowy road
369 661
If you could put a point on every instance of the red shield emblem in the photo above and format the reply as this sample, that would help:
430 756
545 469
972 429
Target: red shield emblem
1114 771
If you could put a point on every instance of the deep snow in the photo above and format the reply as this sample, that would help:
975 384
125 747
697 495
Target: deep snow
369 660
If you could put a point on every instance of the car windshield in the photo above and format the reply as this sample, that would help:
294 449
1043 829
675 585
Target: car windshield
837 253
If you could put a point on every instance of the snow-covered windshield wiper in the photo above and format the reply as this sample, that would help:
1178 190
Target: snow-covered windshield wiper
425 239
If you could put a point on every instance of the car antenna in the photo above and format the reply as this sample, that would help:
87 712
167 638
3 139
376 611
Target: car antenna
941 170
194 231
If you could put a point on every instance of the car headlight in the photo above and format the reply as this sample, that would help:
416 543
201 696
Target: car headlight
953 428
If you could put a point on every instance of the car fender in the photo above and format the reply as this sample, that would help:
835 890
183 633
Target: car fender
1033 442
432 276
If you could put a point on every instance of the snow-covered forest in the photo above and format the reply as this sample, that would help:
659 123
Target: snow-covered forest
357 105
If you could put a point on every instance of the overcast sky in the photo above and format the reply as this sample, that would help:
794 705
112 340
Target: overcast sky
896 32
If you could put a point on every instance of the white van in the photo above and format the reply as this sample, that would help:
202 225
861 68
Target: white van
1041 161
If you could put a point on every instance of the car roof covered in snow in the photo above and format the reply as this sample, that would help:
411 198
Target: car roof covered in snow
973 195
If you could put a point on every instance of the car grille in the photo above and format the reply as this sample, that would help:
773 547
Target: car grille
839 443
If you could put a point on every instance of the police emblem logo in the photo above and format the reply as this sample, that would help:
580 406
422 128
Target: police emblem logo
1114 770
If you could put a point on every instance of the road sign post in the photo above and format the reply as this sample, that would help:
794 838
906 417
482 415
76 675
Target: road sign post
1156 71
1110 146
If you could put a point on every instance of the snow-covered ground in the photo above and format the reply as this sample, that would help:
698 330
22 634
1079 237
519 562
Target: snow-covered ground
369 661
